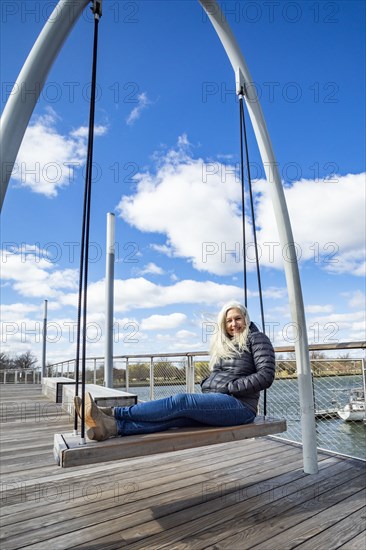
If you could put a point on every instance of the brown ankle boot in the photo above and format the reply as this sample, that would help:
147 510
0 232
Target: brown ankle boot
77 406
100 425
105 428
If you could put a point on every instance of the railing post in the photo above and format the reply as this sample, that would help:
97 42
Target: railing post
127 375
44 339
16 377
151 378
363 367
190 375
95 371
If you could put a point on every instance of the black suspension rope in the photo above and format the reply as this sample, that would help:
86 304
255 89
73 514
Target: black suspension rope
243 202
80 292
243 138
84 254
253 220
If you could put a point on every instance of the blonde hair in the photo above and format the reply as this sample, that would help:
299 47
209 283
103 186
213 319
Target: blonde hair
222 345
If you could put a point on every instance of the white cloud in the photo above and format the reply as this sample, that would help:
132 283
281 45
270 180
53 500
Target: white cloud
32 275
347 262
12 312
50 286
357 299
319 309
47 160
340 318
196 205
272 292
328 221
152 269
83 131
142 103
337 327
188 201
140 293
163 249
163 322
185 334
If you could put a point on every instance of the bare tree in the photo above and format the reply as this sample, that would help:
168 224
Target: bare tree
345 355
6 362
25 360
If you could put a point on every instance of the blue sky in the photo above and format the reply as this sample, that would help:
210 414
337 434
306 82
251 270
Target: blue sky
166 163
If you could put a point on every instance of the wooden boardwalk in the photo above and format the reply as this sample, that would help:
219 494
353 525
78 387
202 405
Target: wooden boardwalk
243 495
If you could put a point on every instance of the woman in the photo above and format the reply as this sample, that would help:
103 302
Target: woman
242 363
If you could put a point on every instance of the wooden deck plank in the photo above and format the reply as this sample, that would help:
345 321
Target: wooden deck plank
147 495
345 524
87 530
313 526
159 507
146 478
195 498
226 522
358 542
220 495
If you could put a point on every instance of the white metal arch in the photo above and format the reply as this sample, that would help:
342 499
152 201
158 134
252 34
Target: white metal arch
18 111
19 107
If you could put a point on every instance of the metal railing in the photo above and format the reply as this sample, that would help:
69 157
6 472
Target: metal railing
152 376
20 376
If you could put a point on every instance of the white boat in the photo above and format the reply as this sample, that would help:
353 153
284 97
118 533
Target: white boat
354 411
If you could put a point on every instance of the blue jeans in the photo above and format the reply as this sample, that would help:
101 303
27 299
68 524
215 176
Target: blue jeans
182 410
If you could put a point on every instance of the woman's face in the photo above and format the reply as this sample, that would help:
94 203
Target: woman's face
235 322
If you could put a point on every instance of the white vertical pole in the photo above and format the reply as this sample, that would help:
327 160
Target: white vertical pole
44 339
109 295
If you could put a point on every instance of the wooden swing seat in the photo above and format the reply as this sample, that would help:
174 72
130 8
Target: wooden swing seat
69 452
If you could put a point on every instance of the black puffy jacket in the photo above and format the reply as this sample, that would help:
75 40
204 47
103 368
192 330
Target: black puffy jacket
246 375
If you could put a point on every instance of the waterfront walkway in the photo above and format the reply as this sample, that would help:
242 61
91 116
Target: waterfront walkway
242 495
